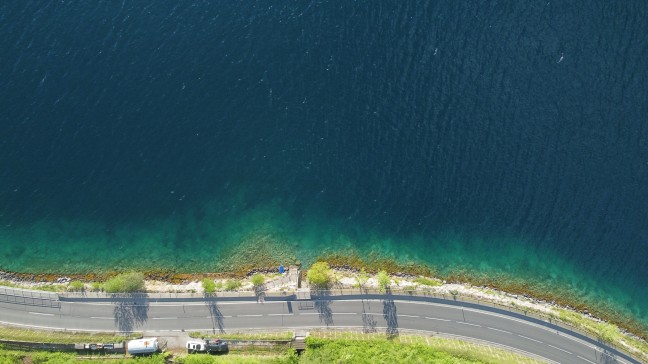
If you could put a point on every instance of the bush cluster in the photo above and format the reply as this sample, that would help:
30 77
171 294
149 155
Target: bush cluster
125 283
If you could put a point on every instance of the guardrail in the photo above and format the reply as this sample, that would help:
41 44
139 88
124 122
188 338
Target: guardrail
29 297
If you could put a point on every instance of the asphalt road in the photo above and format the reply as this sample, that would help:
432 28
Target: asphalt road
370 313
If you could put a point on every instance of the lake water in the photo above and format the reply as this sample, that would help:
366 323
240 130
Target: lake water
500 138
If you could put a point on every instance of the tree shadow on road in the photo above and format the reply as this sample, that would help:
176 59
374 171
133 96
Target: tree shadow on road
606 356
368 321
259 292
131 311
215 314
390 314
324 309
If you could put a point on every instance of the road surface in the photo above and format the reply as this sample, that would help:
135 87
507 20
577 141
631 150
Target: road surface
371 313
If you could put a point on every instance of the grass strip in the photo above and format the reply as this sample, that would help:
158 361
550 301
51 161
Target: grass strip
425 347
60 337
280 335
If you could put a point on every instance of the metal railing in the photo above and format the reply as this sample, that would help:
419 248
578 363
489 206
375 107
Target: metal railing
29 297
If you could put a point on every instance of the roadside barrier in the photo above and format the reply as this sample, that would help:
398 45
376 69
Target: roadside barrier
29 297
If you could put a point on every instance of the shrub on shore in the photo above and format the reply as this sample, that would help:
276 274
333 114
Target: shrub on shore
362 278
257 280
424 281
208 285
76 286
319 275
125 283
383 280
232 284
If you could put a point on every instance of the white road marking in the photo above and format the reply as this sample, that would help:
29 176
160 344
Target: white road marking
466 323
568 352
528 338
438 319
408 316
589 361
280 314
102 318
492 328
42 314
164 318
345 313
309 313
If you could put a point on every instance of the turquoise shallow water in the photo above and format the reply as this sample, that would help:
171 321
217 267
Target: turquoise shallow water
499 138
221 235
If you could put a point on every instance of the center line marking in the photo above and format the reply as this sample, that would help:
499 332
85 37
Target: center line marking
568 352
492 328
309 313
589 361
408 316
438 319
466 323
345 313
42 314
101 318
528 338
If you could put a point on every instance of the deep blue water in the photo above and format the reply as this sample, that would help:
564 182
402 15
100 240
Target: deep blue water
499 137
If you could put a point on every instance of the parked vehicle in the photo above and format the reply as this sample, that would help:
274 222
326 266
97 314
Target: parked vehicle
196 346
209 346
143 346
216 346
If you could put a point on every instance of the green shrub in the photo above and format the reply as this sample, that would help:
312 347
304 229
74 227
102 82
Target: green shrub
362 278
232 284
219 286
424 281
208 285
95 286
125 283
76 286
319 275
257 280
383 280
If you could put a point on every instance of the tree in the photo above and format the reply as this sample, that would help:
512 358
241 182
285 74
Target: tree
76 286
319 275
125 282
232 284
383 280
257 280
208 285
362 278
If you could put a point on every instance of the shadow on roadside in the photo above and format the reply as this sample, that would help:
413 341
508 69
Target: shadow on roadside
368 321
131 310
390 314
214 313
323 308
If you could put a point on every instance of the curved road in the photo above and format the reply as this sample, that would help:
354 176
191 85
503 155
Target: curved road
378 313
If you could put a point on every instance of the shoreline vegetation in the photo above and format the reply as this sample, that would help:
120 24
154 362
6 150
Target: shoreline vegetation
351 271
